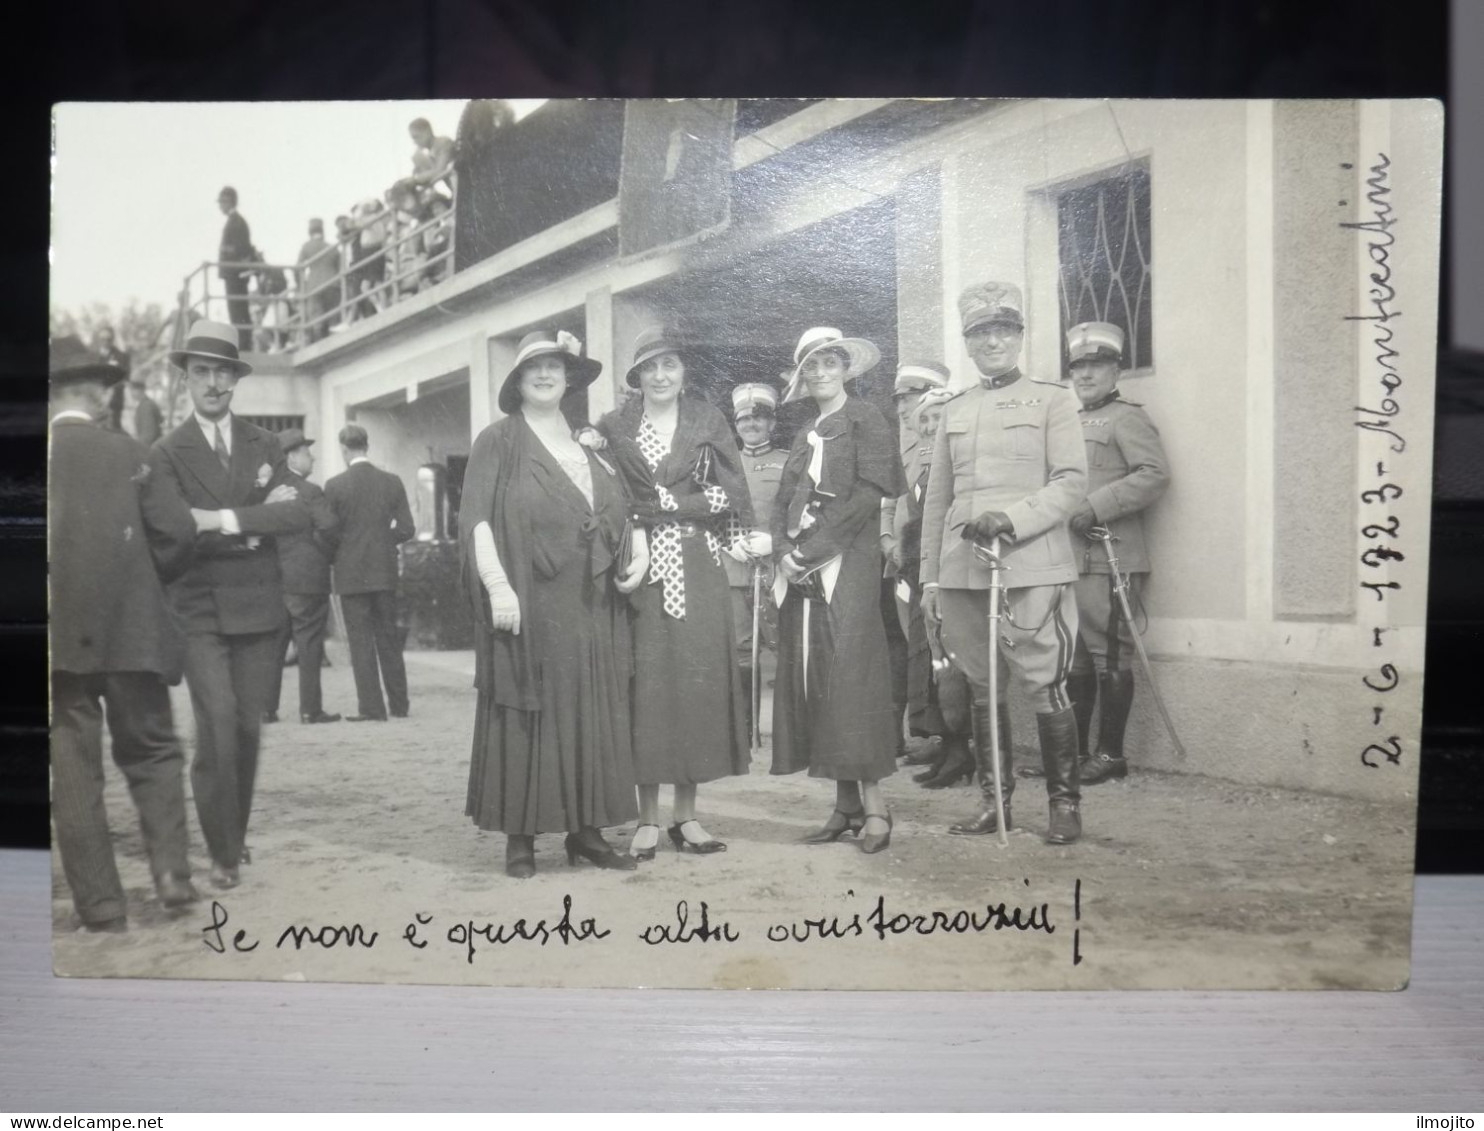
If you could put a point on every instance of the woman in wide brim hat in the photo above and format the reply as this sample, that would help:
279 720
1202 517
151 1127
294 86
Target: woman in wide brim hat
682 469
581 371
832 704
541 528
213 341
860 356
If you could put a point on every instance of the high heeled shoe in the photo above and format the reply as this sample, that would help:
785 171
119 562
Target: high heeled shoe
872 843
833 830
645 853
603 857
520 856
702 847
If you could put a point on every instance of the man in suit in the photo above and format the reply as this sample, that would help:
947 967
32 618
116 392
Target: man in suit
1008 466
230 602
372 510
115 529
1127 472
236 248
304 559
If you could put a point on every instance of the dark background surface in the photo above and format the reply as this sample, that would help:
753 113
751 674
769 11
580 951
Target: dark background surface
277 50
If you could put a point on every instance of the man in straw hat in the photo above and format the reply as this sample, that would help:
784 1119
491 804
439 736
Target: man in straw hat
304 561
1127 472
230 601
1008 469
115 530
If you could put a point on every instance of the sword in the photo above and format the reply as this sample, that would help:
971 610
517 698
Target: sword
990 556
757 675
1120 586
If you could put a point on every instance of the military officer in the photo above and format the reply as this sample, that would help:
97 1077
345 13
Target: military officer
914 378
1127 471
116 531
1008 464
755 416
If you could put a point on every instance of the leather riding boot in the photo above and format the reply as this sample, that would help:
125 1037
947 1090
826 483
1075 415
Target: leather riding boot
1116 696
986 821
1082 690
957 763
1058 732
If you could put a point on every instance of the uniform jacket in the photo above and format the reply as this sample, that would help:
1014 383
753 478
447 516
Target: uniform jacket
1126 472
371 507
1015 449
116 529
233 586
304 559
763 473
906 513
907 443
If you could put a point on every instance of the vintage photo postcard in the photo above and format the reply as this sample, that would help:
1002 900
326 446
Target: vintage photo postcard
789 543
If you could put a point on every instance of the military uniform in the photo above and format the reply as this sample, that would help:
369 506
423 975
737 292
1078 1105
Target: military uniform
1010 450
1127 472
762 467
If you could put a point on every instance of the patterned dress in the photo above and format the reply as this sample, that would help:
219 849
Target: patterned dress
690 708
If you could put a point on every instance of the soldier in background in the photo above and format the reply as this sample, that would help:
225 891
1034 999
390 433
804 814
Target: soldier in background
1126 473
1008 464
116 531
754 416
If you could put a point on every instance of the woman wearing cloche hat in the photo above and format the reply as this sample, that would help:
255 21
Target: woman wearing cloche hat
684 474
541 530
832 707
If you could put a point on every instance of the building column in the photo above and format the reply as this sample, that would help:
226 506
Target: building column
602 394
481 392
498 355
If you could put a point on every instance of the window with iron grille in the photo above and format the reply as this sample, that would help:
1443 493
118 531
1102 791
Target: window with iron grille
1106 273
276 423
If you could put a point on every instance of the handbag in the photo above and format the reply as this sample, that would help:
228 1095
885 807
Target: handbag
625 556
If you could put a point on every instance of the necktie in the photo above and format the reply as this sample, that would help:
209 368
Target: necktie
221 449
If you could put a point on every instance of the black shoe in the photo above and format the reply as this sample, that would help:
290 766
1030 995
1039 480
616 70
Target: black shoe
520 856
957 764
603 857
935 767
366 719
837 826
176 891
702 847
1066 823
928 753
645 853
872 843
115 926
319 717
1100 768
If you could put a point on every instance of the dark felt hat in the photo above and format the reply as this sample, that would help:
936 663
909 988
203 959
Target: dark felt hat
70 362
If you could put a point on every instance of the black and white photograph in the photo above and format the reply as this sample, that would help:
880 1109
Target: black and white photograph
903 544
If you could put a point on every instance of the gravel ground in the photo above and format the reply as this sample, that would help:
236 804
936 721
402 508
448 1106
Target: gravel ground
1180 881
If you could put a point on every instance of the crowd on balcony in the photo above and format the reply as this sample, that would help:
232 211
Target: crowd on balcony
383 250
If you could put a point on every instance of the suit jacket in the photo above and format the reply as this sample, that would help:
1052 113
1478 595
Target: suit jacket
375 518
304 559
1126 472
234 586
115 529
1015 449
236 245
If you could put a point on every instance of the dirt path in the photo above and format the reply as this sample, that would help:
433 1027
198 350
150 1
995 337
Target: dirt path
1184 881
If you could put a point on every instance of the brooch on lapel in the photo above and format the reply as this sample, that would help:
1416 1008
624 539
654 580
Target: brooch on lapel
141 475
265 473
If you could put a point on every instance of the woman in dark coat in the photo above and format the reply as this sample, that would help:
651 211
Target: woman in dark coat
540 528
832 704
682 470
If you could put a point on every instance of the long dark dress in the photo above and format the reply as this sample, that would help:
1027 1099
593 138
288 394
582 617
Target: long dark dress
551 730
834 716
690 706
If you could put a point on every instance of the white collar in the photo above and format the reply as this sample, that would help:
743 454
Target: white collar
359 459
208 427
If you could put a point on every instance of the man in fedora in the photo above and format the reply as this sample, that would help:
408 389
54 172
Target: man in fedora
1008 465
1127 472
304 559
116 529
230 602
371 508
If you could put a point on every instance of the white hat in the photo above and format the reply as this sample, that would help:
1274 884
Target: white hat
863 356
